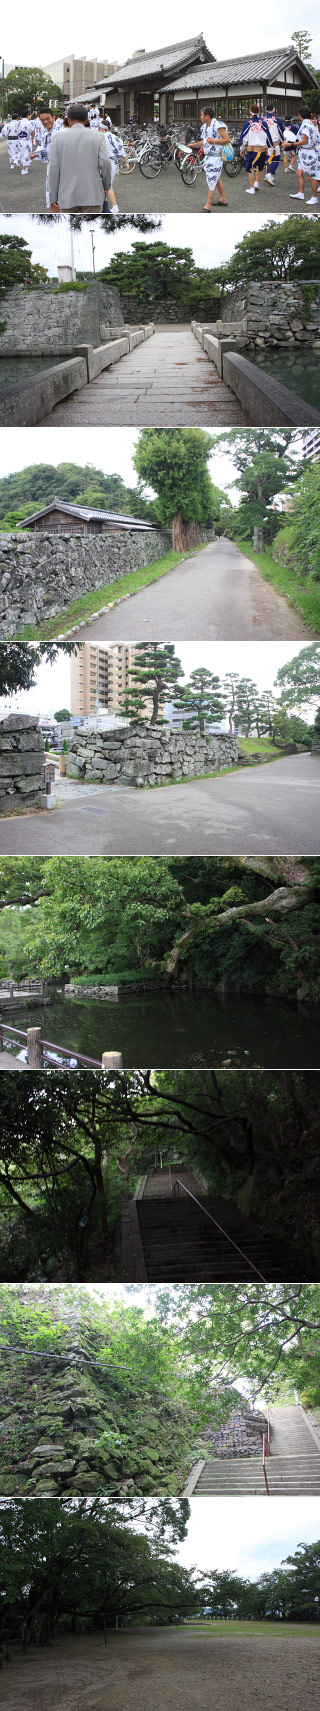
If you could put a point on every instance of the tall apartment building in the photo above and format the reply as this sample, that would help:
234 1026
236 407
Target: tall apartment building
73 76
99 677
311 443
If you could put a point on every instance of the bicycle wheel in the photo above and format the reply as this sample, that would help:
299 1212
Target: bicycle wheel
189 171
131 157
150 164
233 167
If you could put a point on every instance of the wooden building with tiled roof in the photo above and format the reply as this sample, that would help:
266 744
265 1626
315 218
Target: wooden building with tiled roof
133 87
231 86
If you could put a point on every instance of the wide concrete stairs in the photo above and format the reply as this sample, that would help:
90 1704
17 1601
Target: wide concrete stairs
178 1242
293 1467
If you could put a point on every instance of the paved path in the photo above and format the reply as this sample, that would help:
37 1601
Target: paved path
270 809
167 193
218 594
167 380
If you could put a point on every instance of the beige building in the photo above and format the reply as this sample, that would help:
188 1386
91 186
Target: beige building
72 75
99 678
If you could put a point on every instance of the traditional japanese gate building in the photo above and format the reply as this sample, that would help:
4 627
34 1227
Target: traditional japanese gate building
133 87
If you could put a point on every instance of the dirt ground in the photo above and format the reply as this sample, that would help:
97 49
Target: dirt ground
167 1670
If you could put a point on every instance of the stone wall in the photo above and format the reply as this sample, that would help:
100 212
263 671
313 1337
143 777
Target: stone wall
48 322
21 761
275 313
168 309
41 574
147 755
241 1434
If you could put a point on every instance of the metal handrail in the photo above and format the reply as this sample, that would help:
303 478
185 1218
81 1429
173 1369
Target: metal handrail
222 1231
266 1452
66 1051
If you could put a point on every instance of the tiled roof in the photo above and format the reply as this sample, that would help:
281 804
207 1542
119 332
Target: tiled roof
260 66
162 59
86 512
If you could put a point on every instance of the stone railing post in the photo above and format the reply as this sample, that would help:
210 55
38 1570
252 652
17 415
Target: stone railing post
111 1060
35 1048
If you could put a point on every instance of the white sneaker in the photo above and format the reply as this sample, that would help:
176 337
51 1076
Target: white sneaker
290 168
256 187
312 202
24 170
251 191
296 196
268 178
115 209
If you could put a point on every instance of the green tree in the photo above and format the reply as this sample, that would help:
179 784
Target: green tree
32 488
298 543
302 41
18 663
25 86
62 715
174 462
154 680
158 271
266 466
290 250
201 701
16 267
298 681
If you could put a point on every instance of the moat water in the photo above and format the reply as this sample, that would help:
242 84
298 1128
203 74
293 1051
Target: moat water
297 369
162 1030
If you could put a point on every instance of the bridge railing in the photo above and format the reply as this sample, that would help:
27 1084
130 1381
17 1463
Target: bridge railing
39 1050
224 1233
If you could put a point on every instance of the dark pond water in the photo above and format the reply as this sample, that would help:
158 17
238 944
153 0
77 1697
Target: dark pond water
163 1030
16 368
299 370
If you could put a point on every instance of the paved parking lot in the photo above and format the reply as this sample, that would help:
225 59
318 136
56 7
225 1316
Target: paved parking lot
165 194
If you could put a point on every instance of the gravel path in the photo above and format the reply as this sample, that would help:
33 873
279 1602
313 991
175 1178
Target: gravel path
168 1670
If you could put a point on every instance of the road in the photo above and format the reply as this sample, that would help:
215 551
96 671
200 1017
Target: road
218 593
166 380
270 809
165 194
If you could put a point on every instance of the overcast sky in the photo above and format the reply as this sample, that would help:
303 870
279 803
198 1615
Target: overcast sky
211 244
109 449
49 33
258 660
247 1533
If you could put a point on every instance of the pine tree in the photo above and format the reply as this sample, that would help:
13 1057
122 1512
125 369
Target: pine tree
202 701
154 679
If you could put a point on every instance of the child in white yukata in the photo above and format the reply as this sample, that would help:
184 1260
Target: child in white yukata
307 139
10 132
214 134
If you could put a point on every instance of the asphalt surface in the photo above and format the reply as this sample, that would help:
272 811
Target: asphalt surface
218 594
269 809
165 194
166 380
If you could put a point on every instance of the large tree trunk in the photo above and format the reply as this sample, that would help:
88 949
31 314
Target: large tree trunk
184 535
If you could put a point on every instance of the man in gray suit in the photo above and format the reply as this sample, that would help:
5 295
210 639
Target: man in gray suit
79 168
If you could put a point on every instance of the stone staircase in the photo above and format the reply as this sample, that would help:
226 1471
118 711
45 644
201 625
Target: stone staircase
293 1467
179 1242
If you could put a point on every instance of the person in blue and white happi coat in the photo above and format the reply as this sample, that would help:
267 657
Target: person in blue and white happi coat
214 135
276 128
25 134
10 133
315 181
116 151
307 139
256 139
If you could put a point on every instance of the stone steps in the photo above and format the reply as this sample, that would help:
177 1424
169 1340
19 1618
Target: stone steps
180 1243
288 1476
